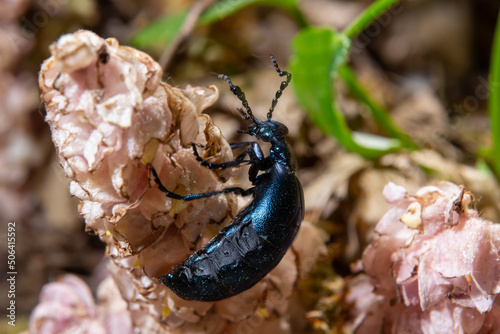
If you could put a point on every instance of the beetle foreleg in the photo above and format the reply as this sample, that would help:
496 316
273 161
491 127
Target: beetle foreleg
210 165
255 154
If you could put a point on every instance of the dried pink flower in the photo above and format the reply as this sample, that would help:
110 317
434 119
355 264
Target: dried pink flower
110 115
67 306
434 266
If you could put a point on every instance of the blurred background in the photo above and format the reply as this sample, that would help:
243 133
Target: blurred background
426 63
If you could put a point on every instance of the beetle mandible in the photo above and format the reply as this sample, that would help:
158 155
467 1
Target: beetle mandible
256 240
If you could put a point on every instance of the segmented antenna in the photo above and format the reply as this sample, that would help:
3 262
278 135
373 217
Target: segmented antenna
284 84
247 113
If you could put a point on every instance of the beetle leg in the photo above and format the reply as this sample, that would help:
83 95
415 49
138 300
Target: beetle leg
236 190
186 198
238 161
254 153
162 187
241 144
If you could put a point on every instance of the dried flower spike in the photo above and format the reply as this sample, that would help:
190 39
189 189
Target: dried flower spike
433 268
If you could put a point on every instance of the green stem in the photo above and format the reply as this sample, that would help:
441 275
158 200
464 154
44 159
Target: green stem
376 9
298 16
382 116
494 99
492 155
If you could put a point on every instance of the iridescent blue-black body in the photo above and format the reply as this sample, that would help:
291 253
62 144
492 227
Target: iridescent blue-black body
249 247
257 239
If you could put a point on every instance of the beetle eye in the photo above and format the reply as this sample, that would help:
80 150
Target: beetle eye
282 130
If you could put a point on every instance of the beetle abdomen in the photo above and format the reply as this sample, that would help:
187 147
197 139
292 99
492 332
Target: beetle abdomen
232 262
247 249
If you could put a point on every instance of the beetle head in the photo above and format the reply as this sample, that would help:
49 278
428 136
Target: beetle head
267 130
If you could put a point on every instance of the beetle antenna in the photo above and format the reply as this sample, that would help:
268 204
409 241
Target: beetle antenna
284 84
247 113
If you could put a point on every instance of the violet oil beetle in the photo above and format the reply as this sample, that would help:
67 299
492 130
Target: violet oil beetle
247 249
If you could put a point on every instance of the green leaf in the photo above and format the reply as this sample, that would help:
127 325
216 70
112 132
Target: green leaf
163 31
317 55
160 32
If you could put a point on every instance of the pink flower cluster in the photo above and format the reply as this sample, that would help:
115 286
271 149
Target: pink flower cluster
67 306
434 267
